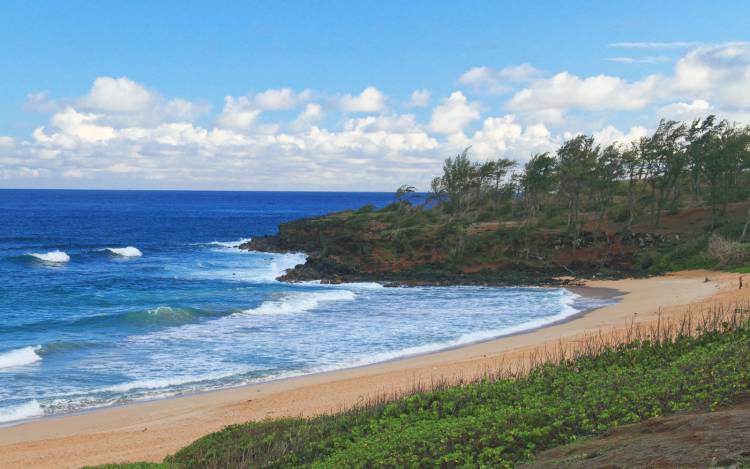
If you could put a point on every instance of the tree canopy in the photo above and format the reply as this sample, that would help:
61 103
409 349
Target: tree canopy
704 162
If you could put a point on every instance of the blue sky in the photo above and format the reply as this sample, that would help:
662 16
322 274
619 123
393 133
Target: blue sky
165 94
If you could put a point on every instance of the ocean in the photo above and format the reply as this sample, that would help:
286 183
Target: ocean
111 297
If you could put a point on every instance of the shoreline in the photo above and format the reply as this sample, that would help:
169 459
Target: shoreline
581 291
149 430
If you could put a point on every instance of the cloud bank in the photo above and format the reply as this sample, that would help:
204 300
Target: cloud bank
124 134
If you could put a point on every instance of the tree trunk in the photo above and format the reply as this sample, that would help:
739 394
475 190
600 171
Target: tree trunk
575 225
653 204
747 223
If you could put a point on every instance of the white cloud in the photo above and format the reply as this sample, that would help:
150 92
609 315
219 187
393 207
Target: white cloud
504 137
181 109
117 95
596 93
73 173
26 172
649 59
718 73
369 100
653 45
498 81
119 102
72 127
40 102
238 113
611 134
420 98
103 139
312 113
279 99
453 114
685 111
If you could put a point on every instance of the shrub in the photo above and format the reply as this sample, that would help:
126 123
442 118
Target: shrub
369 208
724 251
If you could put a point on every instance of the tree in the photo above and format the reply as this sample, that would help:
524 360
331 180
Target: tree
706 161
664 155
492 175
608 170
403 191
633 168
699 136
577 161
724 157
537 181
456 182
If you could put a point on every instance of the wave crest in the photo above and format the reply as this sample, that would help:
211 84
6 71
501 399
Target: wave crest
20 412
53 257
160 383
165 315
300 302
230 244
19 357
128 251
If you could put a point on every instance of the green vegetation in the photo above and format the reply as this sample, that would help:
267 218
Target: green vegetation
655 205
503 420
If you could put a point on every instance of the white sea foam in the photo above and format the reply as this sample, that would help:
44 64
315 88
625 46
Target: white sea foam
352 285
224 329
300 302
295 303
282 262
230 244
265 268
22 411
567 301
224 333
159 383
53 257
19 357
278 266
129 251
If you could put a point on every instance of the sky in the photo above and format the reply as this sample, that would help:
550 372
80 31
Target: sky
344 96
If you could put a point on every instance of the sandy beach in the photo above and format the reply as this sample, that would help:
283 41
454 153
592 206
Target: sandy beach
151 430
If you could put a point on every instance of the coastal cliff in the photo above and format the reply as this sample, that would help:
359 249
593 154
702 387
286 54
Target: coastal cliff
413 245
677 200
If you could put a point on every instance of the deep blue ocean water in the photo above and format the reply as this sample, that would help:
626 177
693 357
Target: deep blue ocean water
108 297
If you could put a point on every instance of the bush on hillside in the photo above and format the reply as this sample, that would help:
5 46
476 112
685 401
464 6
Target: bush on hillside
724 251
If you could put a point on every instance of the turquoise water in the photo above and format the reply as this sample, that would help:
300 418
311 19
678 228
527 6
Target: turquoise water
109 297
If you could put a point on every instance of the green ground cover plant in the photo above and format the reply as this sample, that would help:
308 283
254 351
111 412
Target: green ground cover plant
505 418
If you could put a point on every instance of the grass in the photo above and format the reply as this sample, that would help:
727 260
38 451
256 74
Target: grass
504 419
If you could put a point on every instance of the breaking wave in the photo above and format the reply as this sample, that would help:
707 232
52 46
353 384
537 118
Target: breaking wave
129 251
300 302
52 257
162 383
568 309
230 244
19 357
22 411
165 315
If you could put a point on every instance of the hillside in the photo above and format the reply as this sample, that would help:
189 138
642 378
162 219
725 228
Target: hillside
688 439
675 200
419 248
